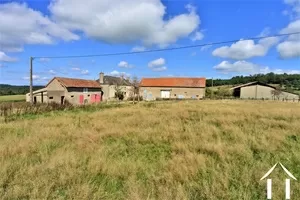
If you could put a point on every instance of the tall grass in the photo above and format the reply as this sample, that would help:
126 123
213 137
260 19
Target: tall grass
11 111
174 150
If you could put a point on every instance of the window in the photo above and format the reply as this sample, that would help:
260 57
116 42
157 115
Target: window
197 95
175 95
85 90
72 96
50 97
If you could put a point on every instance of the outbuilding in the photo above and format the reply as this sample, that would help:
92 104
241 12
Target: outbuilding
172 88
259 90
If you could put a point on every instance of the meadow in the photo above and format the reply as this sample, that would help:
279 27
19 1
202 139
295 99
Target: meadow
152 150
12 98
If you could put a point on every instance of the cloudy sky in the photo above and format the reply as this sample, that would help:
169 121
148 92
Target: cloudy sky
41 28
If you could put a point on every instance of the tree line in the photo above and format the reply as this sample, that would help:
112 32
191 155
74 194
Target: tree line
16 89
287 81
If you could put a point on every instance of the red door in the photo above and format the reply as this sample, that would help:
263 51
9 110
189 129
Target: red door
81 98
93 98
98 99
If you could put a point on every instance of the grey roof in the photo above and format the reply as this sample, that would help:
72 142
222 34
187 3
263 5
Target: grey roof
38 91
112 80
253 83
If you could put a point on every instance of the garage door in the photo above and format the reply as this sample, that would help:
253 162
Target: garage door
165 94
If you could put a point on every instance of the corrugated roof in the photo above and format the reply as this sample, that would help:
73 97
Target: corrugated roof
77 83
173 82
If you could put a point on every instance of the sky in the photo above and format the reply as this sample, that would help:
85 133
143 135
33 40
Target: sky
47 28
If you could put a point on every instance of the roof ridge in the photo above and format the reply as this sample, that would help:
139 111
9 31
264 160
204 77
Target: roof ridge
75 78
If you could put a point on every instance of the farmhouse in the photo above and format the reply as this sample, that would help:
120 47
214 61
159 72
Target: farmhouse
172 88
80 91
258 90
109 85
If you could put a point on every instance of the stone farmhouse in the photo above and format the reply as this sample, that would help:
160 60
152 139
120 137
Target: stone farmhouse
80 91
172 88
109 84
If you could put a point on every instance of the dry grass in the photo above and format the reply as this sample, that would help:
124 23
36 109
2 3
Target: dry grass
175 150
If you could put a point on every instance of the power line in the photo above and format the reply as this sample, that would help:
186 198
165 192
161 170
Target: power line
167 49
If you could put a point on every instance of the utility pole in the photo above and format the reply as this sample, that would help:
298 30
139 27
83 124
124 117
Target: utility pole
31 89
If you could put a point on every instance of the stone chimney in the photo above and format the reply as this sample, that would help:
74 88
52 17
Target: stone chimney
101 78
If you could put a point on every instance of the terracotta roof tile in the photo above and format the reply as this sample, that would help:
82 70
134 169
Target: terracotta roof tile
74 82
173 82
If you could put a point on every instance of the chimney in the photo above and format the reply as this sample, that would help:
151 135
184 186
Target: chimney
101 78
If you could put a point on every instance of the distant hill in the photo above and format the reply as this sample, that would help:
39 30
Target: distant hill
14 89
289 82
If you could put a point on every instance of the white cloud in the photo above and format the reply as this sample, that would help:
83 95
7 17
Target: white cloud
159 69
85 72
292 27
21 25
290 48
75 69
124 64
295 6
138 49
34 77
279 71
82 71
117 73
265 32
244 67
245 49
197 36
157 65
237 67
124 21
6 58
52 72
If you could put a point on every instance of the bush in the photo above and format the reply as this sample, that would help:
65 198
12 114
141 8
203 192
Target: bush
119 95
221 92
135 98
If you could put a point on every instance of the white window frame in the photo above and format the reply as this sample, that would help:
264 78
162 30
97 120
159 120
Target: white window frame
85 90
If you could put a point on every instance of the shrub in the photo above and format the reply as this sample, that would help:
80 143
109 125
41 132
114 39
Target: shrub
135 98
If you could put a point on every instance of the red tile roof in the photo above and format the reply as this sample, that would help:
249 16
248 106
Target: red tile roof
173 82
77 83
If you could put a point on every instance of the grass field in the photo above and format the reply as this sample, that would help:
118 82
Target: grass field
9 98
174 150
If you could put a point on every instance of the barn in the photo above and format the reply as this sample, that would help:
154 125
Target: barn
259 90
172 88
75 91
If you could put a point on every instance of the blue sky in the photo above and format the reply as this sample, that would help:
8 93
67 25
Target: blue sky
71 27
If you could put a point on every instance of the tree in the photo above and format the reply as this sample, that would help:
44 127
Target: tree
209 93
119 93
135 83
276 93
224 92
